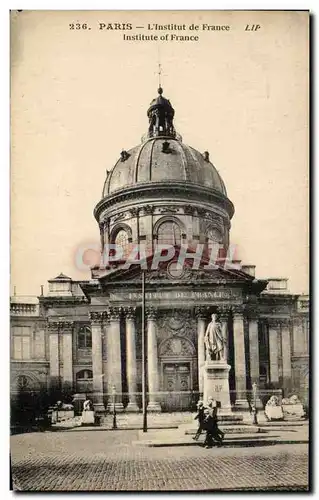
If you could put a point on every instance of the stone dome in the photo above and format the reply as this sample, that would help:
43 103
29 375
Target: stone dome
163 158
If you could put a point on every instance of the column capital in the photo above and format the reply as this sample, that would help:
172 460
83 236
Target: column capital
273 322
151 313
251 313
96 317
285 322
201 312
56 326
114 313
223 311
129 312
237 310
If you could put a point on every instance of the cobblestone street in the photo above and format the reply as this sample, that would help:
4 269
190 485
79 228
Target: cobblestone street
106 460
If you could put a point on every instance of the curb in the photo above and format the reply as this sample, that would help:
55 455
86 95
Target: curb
107 429
226 444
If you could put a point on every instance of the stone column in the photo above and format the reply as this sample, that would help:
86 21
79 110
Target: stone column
253 348
97 366
298 337
286 354
273 351
54 356
66 331
240 359
114 362
223 313
254 354
152 362
131 370
201 327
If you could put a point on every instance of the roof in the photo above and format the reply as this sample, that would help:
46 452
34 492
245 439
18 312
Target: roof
153 161
61 277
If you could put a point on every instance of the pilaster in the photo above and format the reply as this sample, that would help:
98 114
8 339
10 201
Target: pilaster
273 328
201 314
114 364
286 353
97 366
240 357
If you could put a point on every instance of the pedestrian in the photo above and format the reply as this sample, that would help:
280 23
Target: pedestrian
200 417
213 433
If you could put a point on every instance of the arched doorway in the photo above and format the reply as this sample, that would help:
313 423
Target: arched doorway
178 365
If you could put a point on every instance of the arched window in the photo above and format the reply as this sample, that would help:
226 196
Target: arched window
84 375
214 235
169 233
122 240
84 338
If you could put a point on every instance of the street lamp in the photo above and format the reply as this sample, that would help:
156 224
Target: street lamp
254 409
114 408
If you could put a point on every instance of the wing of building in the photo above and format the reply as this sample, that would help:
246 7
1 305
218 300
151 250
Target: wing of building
86 337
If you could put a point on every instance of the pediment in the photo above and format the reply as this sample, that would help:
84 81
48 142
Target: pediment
168 274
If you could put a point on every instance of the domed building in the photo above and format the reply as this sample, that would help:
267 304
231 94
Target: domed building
166 194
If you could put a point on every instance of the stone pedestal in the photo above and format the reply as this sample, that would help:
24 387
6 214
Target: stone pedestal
293 411
274 413
216 383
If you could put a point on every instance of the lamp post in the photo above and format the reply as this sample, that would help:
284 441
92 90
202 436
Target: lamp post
114 408
255 421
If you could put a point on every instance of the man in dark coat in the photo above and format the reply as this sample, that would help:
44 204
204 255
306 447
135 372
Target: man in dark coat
200 417
213 433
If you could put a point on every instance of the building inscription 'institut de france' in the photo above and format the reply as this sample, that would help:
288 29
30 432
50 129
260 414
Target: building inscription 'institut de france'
86 336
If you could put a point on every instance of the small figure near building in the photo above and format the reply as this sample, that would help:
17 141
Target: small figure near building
200 417
88 413
213 433
273 409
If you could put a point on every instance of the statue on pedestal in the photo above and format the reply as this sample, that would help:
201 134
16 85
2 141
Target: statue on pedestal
215 343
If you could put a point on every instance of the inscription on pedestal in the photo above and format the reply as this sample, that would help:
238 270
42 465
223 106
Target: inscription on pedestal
216 383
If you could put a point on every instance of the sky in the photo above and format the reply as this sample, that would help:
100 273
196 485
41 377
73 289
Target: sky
78 97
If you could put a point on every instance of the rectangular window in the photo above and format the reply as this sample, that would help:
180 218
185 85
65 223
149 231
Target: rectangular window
21 347
39 345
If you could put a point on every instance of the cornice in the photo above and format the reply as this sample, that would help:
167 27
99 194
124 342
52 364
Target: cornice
60 326
186 190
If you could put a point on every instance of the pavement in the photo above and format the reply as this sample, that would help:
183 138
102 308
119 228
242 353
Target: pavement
120 460
253 436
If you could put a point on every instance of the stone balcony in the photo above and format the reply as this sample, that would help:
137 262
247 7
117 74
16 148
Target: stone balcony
24 306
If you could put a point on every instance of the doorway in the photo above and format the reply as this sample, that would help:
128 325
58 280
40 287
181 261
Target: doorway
177 386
